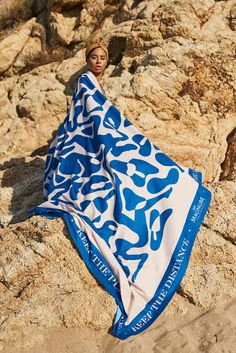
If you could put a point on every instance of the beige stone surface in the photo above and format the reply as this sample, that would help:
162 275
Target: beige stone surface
62 26
44 281
37 106
199 331
12 45
172 72
21 182
211 275
21 46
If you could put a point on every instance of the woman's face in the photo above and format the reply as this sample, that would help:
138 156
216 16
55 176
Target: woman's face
97 60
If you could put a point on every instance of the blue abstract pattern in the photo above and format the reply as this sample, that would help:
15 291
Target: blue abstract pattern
132 212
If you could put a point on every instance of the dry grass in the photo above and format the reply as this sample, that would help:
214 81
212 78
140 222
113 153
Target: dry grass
13 12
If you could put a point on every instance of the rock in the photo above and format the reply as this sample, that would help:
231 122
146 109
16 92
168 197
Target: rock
33 99
221 215
12 45
211 275
45 282
21 46
38 6
200 330
68 71
7 108
34 47
229 164
232 18
58 5
185 109
12 11
172 73
22 188
62 26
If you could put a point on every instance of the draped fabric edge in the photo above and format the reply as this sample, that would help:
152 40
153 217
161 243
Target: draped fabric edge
173 274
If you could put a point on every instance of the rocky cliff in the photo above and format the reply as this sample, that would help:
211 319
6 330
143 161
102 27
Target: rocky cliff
172 72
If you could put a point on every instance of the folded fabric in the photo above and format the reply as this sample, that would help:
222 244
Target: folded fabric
132 212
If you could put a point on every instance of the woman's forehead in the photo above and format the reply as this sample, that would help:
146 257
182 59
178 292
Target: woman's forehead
98 51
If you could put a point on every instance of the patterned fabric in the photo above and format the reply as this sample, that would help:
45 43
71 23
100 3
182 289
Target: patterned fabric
132 212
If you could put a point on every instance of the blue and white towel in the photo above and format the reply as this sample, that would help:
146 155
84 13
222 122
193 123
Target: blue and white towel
132 212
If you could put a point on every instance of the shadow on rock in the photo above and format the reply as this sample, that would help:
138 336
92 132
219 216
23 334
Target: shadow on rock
21 188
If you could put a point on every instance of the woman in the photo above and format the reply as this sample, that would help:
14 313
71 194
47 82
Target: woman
132 212
97 59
